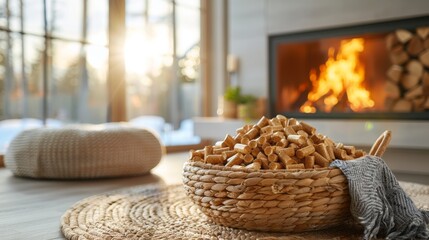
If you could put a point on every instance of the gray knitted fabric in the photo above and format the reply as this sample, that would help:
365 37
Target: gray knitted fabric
379 203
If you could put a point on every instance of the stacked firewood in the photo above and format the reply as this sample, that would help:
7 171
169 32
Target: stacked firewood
408 86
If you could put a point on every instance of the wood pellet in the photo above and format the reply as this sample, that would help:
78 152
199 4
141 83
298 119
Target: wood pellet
275 144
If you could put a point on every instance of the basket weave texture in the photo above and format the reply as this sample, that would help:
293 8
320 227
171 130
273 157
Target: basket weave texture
268 200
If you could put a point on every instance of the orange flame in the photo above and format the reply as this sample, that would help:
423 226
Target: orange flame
342 74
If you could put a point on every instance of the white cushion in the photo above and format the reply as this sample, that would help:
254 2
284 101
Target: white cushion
83 151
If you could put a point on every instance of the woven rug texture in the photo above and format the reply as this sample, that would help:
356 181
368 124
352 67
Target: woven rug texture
165 212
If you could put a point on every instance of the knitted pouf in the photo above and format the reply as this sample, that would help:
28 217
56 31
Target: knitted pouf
83 151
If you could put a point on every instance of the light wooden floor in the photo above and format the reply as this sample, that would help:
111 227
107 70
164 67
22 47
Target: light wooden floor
31 209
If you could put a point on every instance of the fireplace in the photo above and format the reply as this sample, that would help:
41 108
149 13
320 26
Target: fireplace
372 71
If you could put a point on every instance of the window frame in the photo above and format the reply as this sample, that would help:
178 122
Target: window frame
116 85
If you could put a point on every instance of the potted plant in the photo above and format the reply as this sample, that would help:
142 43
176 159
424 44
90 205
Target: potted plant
247 107
228 102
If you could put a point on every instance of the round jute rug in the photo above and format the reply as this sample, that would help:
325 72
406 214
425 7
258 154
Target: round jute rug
160 212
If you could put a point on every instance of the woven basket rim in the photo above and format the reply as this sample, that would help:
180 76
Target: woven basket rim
209 166
243 169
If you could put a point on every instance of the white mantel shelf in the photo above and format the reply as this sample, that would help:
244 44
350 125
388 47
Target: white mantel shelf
405 134
215 128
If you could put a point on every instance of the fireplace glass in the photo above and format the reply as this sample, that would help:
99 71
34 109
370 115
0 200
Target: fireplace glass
369 71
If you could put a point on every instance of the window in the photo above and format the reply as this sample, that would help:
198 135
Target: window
54 62
162 61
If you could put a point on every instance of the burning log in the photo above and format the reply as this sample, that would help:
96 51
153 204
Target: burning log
343 103
331 93
302 96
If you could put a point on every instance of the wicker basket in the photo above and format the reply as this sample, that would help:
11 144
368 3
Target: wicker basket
269 200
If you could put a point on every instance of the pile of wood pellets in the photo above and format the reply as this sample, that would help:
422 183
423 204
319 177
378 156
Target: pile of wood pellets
277 143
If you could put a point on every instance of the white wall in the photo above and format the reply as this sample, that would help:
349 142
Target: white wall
247 40
290 15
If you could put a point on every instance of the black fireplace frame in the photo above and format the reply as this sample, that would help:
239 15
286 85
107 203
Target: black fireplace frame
366 28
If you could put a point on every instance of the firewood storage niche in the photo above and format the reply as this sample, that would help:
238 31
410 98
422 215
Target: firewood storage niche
378 70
